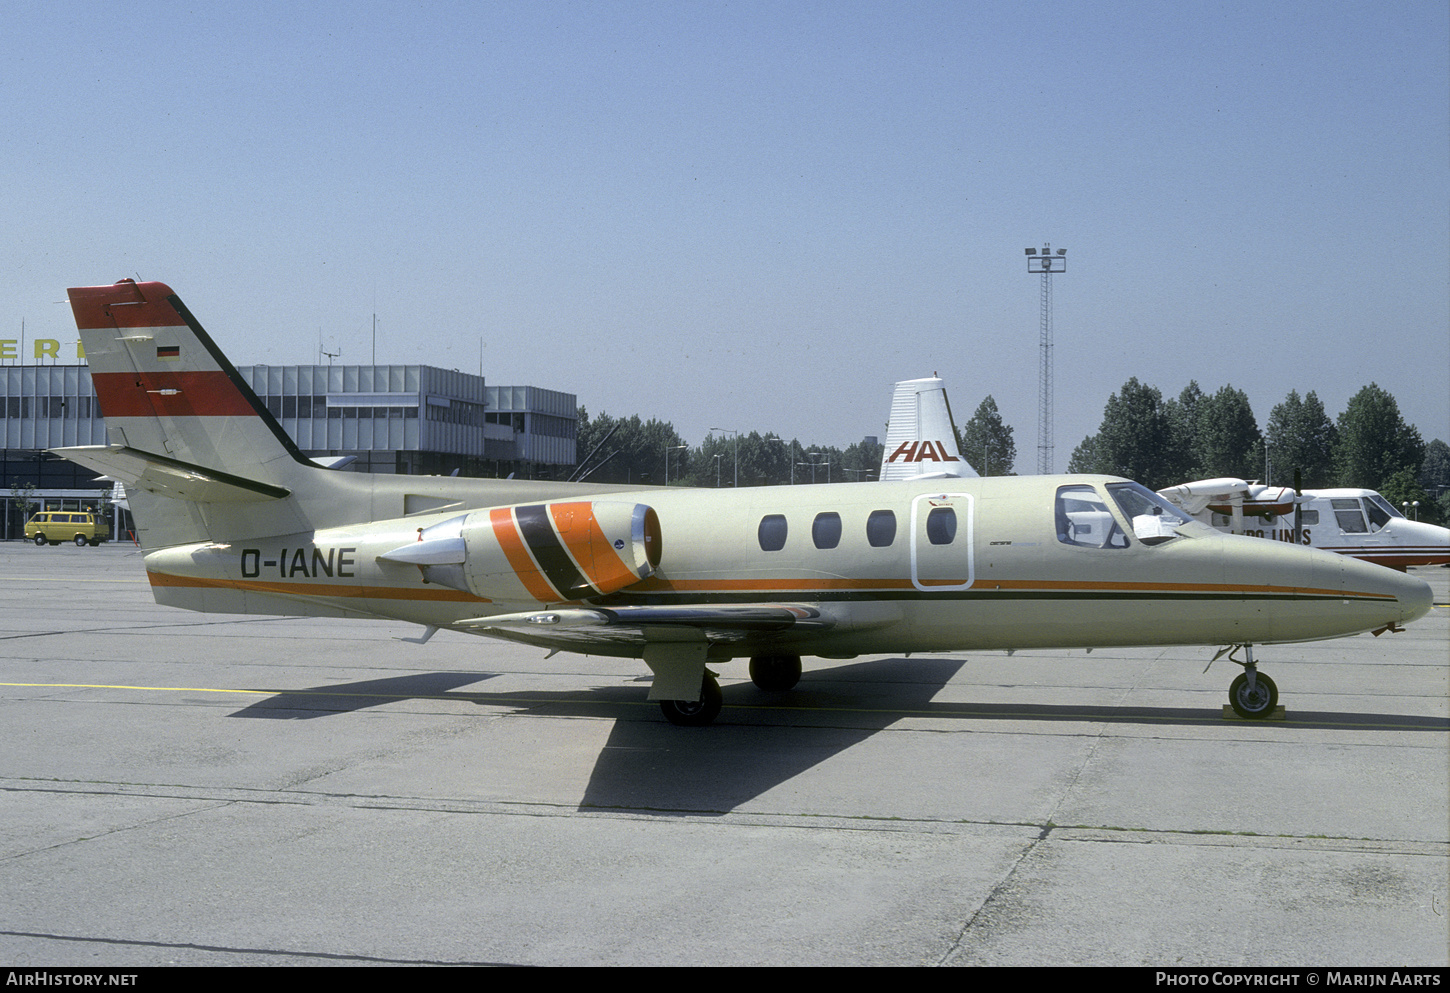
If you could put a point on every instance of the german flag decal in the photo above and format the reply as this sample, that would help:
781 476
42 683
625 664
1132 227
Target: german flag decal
168 353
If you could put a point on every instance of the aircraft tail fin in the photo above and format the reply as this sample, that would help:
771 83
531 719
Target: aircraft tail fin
182 423
921 437
166 389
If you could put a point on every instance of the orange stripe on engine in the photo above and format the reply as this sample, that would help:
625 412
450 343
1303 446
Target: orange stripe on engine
591 550
506 531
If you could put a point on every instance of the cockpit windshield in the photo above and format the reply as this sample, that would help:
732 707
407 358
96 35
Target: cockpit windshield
1154 519
1380 511
1085 518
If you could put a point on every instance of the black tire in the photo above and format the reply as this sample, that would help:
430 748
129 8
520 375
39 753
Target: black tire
40 540
695 714
1253 705
81 541
775 673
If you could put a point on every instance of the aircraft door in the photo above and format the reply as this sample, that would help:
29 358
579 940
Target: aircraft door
941 542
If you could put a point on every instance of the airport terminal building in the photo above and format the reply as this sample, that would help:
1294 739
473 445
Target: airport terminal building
411 419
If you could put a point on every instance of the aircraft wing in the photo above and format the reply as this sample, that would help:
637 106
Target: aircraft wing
1223 493
1193 497
578 628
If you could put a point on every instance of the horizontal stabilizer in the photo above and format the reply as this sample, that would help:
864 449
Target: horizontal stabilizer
170 477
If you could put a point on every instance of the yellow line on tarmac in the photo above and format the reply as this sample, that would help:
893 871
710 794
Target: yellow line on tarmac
159 689
312 691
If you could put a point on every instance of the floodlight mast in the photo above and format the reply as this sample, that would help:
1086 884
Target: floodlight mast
1047 263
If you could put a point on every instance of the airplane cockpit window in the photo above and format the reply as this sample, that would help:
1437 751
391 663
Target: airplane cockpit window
1348 516
826 529
941 525
772 532
1380 511
1084 519
1154 519
881 528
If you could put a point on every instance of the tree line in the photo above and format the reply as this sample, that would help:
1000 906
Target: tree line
1159 442
1198 435
629 450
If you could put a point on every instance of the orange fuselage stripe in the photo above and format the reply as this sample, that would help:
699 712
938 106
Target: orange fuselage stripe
798 587
315 589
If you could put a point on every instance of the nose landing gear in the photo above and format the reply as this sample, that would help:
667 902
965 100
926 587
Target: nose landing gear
1252 694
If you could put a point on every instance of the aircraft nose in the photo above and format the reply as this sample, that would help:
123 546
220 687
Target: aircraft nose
1413 597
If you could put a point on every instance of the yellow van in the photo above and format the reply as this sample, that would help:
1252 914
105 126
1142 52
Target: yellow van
51 527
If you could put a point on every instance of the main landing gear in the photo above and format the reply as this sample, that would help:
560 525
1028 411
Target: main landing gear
696 713
775 673
1252 694
772 673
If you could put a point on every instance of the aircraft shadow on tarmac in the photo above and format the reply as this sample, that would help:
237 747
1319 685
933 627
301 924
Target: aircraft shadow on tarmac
344 698
761 739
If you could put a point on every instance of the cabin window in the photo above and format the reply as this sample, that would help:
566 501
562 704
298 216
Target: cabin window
881 528
1308 518
1348 516
941 525
1084 519
826 529
772 532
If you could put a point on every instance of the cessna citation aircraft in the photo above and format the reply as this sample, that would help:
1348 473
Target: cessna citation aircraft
234 518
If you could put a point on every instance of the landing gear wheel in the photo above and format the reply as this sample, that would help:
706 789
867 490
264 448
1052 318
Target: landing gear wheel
1255 704
40 540
775 673
695 714
81 541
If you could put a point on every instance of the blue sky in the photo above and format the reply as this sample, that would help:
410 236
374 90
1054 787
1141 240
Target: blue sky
757 215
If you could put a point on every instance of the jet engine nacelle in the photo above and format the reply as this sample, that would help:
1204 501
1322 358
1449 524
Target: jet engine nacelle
539 552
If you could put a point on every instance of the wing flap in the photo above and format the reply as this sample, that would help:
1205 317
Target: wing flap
575 626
